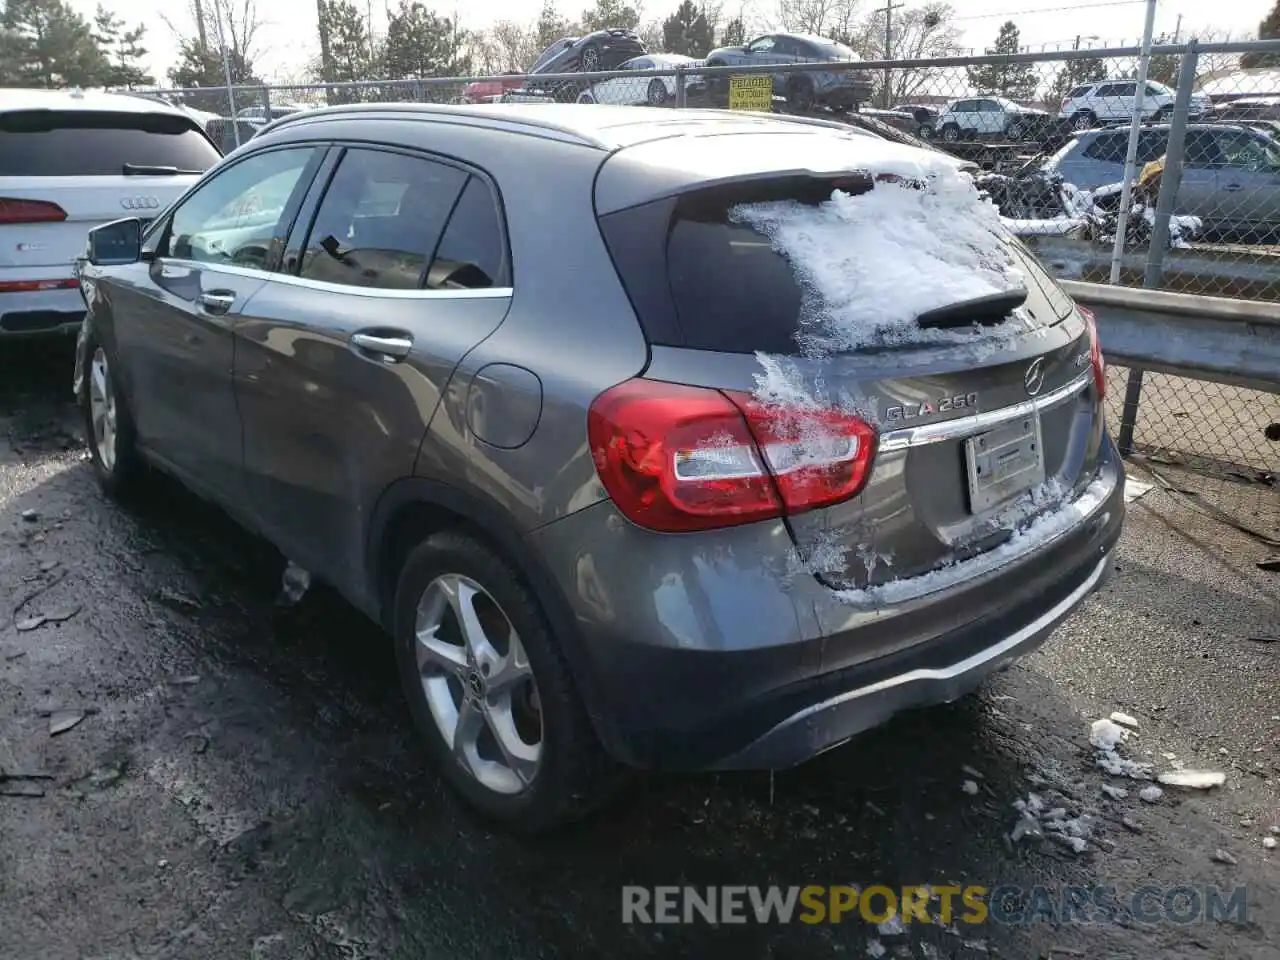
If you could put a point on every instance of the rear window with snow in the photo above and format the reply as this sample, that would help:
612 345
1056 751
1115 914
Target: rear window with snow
778 265
89 143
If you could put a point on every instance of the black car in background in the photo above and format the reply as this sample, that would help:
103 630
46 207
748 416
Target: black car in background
601 50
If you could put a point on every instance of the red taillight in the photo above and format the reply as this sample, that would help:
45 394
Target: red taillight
676 458
34 286
29 211
1095 352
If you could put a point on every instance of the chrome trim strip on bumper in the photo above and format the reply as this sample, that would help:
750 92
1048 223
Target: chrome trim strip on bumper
978 422
979 660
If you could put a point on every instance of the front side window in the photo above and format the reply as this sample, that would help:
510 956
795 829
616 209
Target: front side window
763 45
235 218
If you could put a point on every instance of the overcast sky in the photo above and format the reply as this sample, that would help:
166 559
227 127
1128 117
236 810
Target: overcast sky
287 40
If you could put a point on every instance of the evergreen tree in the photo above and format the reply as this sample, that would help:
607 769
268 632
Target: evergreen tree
687 31
346 43
735 34
1268 29
45 43
421 44
610 15
122 49
551 26
1016 81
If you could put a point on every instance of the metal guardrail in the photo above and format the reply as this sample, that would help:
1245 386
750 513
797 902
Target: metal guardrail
1208 338
1220 361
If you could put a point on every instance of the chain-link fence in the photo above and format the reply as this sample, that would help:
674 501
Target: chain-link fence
1193 187
1051 132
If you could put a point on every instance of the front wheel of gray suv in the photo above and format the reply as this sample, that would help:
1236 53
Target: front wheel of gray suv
490 689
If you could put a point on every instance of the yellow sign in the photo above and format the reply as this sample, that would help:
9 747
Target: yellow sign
751 93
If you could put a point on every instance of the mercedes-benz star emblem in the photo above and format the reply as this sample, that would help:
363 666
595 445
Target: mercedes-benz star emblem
1033 379
141 203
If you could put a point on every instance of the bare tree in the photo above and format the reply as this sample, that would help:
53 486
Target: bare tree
506 47
920 33
236 21
836 19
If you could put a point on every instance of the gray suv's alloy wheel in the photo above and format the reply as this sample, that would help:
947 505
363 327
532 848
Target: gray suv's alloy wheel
477 682
489 687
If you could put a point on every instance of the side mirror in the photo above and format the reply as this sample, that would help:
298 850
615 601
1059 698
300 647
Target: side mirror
115 243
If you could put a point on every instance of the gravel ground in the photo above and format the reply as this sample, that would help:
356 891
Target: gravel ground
244 782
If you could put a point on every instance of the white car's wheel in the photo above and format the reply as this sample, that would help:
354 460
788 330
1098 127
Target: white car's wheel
586 98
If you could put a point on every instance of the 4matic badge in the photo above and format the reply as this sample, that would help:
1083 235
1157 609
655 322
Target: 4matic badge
927 408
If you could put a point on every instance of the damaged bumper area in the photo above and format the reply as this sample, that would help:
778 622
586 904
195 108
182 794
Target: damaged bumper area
714 659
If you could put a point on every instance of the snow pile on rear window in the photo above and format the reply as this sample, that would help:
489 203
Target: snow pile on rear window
871 263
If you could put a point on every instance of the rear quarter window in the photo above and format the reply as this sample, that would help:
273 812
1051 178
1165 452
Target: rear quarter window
69 143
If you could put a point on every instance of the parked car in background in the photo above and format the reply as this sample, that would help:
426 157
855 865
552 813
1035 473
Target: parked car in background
1245 109
529 447
925 115
837 89
654 91
984 118
601 50
259 115
70 161
1110 101
491 89
903 120
1230 174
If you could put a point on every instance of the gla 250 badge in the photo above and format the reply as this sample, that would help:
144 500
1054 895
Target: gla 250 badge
927 408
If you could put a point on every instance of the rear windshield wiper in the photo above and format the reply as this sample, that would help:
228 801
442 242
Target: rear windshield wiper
981 311
147 170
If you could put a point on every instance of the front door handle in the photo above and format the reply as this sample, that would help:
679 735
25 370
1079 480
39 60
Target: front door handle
1233 187
388 346
216 301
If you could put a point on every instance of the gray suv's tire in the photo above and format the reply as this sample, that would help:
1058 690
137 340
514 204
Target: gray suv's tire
571 774
108 427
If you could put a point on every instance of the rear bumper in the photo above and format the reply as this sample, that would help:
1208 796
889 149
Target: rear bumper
41 313
830 722
694 654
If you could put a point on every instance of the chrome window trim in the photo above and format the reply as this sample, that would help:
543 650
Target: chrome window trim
323 286
960 427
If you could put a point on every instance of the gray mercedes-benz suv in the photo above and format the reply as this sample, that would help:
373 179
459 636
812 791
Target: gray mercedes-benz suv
510 378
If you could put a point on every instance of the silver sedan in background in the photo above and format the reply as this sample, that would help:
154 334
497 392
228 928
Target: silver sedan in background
655 91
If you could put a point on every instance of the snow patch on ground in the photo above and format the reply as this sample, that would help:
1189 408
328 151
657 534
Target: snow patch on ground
1106 736
1037 820
870 264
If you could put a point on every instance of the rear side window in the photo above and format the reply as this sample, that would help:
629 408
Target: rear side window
89 143
700 280
380 220
472 254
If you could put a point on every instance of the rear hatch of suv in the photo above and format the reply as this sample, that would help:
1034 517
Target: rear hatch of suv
856 345
65 171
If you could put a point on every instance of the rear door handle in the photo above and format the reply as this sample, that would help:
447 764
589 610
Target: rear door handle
388 345
1233 187
216 301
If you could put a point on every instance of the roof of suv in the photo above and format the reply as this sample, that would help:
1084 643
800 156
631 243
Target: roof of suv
598 125
24 99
